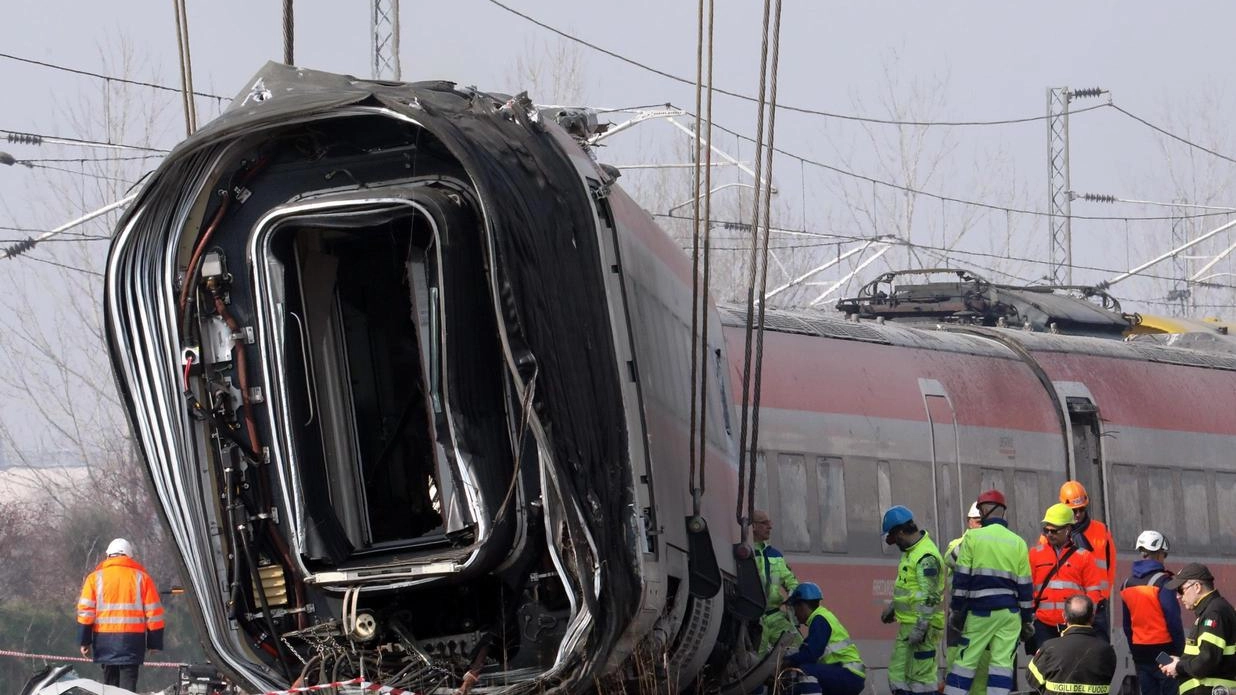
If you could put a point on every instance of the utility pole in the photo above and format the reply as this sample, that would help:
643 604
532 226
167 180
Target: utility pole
1059 188
384 31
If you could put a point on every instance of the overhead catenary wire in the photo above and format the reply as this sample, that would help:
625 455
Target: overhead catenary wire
785 107
962 201
28 138
109 78
925 247
1168 133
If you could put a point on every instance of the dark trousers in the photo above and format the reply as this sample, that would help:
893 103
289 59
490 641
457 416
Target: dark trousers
1152 681
123 676
831 679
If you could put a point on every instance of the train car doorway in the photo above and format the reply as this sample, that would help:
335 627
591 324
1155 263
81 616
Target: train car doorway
1088 452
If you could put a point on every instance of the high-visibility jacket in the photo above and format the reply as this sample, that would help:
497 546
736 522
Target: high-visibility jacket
1077 575
1094 536
775 575
1209 657
1151 613
919 589
1078 663
827 642
119 613
992 572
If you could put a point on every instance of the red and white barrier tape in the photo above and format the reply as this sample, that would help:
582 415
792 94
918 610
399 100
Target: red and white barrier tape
81 659
361 683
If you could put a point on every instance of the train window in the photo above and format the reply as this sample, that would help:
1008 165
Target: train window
830 483
1197 513
1164 514
1225 488
992 479
1028 511
1125 515
793 532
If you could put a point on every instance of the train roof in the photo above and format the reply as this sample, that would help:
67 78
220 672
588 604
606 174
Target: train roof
986 341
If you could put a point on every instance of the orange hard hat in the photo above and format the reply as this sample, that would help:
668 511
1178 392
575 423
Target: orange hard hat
1074 494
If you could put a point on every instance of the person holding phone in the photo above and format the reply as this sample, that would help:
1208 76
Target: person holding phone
1209 659
1079 661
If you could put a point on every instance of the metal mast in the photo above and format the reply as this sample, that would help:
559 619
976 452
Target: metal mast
1181 269
1060 205
1059 187
384 32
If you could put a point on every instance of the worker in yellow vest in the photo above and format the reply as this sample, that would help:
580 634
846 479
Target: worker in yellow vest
917 606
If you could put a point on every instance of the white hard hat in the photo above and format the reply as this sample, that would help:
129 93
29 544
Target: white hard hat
974 512
1151 541
120 546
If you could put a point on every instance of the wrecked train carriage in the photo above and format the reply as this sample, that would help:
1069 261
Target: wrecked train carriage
380 346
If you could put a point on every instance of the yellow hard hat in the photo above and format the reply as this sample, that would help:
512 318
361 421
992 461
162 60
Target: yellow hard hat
1059 514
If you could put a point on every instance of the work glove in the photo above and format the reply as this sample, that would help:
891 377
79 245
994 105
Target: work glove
887 616
1027 632
957 621
918 634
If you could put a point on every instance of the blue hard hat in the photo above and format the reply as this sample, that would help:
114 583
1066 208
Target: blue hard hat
896 516
807 591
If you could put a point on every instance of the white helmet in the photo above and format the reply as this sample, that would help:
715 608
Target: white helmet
974 512
1151 541
120 546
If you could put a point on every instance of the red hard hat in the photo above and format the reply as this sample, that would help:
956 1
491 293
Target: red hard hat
992 497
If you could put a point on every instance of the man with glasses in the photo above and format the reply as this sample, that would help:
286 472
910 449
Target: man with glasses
1209 658
1060 570
779 582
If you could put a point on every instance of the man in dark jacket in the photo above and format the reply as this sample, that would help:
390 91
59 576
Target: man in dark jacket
1151 615
1209 658
1079 661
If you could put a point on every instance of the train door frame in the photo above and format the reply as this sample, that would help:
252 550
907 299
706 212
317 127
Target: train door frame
1084 420
933 389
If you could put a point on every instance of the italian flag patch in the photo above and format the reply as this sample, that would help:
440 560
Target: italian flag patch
1208 622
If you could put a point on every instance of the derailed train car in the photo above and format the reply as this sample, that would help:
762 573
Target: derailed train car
412 380
382 346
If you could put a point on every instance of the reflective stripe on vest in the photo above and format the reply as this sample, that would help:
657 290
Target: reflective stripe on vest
841 650
1077 688
1145 612
908 606
1206 682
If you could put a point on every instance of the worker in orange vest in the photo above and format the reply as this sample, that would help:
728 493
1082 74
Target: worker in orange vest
119 616
1152 615
1093 535
1060 570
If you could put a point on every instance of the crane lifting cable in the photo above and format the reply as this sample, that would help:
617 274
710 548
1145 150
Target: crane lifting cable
698 454
760 227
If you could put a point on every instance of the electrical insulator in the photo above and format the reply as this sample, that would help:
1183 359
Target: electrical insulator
25 139
1088 92
19 248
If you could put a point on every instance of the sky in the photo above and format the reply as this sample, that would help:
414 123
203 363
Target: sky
921 61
